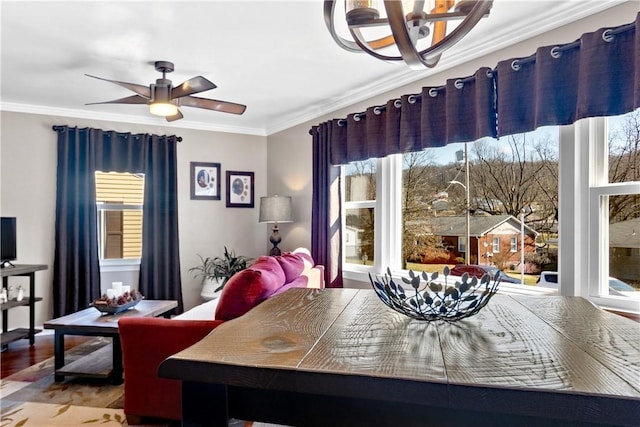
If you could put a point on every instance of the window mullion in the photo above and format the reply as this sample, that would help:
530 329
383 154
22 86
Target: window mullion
598 253
388 244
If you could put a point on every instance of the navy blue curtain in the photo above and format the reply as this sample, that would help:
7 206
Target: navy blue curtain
82 152
325 222
76 269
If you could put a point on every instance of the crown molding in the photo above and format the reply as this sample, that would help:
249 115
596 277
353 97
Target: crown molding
124 118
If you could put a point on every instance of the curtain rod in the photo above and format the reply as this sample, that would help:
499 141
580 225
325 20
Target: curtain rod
607 35
61 127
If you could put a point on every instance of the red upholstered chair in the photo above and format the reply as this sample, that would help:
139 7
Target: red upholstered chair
144 348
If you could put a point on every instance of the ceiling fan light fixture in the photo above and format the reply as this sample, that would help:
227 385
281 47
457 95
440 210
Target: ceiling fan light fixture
163 109
406 27
164 99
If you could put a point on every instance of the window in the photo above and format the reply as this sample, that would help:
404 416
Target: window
514 244
496 245
461 245
360 212
614 207
119 198
594 169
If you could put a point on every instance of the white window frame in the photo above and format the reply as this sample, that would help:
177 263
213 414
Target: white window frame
599 190
496 245
461 245
513 244
116 264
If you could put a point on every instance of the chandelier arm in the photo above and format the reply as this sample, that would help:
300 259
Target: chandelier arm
365 47
401 35
440 27
480 9
329 9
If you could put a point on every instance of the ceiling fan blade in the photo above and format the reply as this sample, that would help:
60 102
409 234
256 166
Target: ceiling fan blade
175 117
212 104
191 86
139 89
133 99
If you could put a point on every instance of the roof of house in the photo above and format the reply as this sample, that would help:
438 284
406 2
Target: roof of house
478 225
625 234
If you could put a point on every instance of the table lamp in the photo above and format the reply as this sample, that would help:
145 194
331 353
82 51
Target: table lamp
275 209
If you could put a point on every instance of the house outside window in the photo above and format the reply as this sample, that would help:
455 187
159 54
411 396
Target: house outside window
496 245
119 198
514 244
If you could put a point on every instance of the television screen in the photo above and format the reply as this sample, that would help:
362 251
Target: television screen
7 239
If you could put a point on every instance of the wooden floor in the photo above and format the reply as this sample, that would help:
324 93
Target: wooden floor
21 355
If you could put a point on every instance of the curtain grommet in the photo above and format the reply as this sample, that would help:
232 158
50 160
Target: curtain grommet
433 92
459 84
608 36
377 111
515 65
342 122
357 117
555 52
397 103
489 74
411 99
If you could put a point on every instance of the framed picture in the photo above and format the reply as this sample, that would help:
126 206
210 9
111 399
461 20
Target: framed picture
239 189
205 181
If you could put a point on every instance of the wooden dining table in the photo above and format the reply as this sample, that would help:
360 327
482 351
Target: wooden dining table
340 357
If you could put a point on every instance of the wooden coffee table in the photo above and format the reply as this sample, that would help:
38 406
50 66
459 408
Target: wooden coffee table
107 362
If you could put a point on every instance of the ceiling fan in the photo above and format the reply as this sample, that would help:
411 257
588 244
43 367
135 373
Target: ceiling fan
164 99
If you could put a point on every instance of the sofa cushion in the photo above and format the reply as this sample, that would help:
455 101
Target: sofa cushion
250 287
298 282
292 265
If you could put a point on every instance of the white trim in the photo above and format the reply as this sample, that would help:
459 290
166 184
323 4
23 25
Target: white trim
118 265
118 207
599 190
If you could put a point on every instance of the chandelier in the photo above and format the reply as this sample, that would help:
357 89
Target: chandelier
408 25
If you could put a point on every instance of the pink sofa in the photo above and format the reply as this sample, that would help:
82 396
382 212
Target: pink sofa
146 342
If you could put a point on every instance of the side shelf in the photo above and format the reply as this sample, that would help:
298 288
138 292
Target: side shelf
13 303
19 333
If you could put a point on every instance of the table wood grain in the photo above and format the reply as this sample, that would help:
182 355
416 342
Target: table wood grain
552 360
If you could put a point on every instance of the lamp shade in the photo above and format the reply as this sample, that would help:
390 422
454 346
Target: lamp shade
275 209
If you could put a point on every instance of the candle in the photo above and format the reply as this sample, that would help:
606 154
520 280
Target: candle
117 288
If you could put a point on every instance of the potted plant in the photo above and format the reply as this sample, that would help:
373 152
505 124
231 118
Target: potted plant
216 272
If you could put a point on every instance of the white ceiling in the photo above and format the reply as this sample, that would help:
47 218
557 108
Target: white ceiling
276 57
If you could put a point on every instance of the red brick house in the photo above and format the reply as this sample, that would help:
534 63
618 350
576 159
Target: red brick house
497 236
